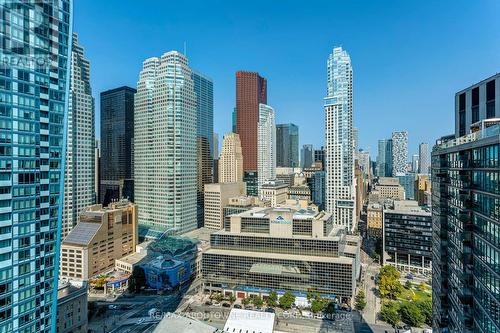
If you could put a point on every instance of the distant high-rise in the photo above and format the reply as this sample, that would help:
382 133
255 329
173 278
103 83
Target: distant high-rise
35 73
216 146
319 156
399 153
251 90
307 156
234 121
117 133
477 102
423 158
384 158
355 141
340 191
165 146
205 145
414 163
266 145
231 160
287 145
79 182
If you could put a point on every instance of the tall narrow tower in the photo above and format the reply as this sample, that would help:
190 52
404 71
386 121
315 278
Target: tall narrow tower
231 160
340 192
79 181
165 159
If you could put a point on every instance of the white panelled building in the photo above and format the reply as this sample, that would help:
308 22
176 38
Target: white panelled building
165 146
399 153
266 145
79 179
340 189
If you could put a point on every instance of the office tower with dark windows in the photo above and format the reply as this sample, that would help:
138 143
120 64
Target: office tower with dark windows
287 145
79 179
251 90
340 187
165 146
466 221
205 141
384 158
307 156
35 74
477 102
117 133
423 158
319 156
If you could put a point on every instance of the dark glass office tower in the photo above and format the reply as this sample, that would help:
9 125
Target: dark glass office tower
117 133
466 232
319 156
35 52
287 145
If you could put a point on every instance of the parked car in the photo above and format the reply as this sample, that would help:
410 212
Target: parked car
270 310
409 276
226 305
319 315
307 314
208 303
237 306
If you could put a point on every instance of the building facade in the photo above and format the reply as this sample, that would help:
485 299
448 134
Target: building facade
165 149
424 159
117 134
102 235
319 156
79 191
399 153
275 191
407 237
374 220
287 145
307 156
340 192
231 160
72 307
408 183
389 188
477 102
34 96
282 249
216 198
466 229
251 91
266 145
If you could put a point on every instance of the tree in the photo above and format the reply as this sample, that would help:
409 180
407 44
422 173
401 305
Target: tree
390 313
318 304
360 300
257 301
138 279
408 284
389 285
272 300
426 310
218 297
411 314
287 300
245 301
231 298
330 308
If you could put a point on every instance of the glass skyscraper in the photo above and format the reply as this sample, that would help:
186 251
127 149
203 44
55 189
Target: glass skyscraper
117 135
35 48
287 145
339 148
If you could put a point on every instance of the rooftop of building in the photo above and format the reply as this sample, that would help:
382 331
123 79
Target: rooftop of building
387 181
70 288
409 207
494 76
274 184
483 133
299 214
133 258
172 322
98 209
82 233
172 246
240 320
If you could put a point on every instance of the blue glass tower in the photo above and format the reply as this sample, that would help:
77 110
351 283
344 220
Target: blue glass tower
34 87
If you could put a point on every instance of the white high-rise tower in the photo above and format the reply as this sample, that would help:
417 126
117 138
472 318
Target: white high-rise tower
165 145
266 145
340 183
79 180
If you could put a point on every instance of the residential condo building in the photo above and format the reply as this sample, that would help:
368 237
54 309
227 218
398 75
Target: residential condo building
423 159
399 153
340 191
266 145
35 77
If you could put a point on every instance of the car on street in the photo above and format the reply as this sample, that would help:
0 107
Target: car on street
226 305
270 310
237 306
208 303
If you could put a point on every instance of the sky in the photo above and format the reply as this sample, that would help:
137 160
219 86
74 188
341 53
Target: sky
409 57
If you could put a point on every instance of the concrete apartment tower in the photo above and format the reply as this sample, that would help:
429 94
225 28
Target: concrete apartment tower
165 158
79 179
399 153
231 160
340 189
266 145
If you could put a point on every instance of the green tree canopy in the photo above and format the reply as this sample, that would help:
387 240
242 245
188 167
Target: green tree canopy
390 313
360 300
272 300
411 314
257 301
389 285
287 300
426 310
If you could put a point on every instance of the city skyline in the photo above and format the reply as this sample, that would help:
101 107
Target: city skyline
381 66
